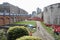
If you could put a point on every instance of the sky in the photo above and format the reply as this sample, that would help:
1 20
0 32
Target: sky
31 5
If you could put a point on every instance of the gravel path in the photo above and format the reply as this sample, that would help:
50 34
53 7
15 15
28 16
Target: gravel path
42 33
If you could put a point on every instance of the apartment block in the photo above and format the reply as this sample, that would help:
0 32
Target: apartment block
51 14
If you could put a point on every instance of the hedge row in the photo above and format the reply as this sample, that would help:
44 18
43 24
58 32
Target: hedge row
28 38
19 33
16 32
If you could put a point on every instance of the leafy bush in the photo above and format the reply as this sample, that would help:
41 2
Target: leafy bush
16 32
28 38
2 35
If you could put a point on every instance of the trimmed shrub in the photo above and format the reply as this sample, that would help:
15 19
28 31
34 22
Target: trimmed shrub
28 38
3 34
16 32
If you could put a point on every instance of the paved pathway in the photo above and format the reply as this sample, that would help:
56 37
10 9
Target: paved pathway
41 32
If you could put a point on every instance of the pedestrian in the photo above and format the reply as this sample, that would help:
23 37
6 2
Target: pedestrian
38 28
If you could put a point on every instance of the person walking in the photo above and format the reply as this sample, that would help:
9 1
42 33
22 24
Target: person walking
38 28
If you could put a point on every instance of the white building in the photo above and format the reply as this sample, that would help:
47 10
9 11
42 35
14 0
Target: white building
52 14
40 15
34 14
38 11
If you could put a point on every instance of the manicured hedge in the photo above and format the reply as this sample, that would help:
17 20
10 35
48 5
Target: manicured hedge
16 32
28 38
3 34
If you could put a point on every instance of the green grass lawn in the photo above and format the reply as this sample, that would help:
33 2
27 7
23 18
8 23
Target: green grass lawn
48 29
27 22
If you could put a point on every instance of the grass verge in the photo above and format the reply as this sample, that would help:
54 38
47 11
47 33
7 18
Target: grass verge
27 22
48 29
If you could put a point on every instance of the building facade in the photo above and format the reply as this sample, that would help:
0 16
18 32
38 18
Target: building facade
51 14
34 14
10 14
38 11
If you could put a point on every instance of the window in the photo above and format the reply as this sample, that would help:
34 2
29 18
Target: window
58 5
46 9
51 8
55 20
1 18
1 10
49 19
59 21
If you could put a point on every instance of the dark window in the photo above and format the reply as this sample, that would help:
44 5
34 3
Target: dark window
58 5
1 10
46 9
51 8
55 20
59 20
7 18
2 18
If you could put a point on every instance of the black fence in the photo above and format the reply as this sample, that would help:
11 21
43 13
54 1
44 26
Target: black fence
11 25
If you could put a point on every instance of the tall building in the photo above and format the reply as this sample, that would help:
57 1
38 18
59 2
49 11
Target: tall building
52 14
33 13
38 10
